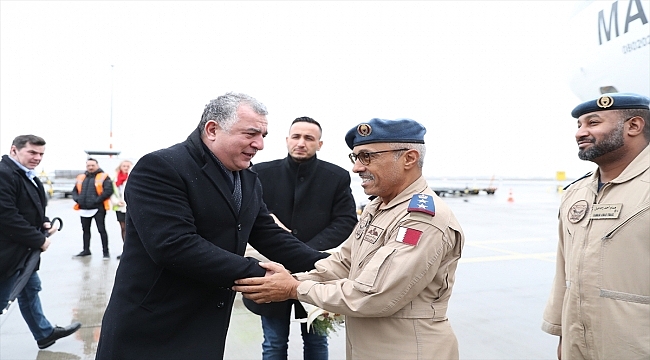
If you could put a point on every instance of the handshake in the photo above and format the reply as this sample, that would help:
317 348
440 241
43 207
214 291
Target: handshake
276 285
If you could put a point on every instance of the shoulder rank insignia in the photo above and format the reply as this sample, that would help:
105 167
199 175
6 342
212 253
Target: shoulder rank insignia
422 203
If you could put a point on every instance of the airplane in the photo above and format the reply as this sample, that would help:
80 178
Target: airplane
611 41
611 53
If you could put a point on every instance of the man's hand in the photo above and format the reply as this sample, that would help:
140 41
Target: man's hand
50 229
276 285
46 244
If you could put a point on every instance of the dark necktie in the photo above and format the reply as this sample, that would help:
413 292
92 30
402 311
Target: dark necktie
236 194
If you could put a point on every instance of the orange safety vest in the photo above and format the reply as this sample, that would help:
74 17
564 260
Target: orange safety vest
99 187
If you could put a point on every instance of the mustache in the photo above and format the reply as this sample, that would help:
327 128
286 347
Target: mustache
586 139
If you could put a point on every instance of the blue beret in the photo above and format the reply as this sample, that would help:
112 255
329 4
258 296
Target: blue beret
613 101
386 131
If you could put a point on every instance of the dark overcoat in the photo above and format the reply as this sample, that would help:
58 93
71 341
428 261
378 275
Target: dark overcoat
314 200
22 214
183 251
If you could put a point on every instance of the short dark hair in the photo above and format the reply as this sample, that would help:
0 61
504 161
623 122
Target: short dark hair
308 120
92 159
643 113
22 140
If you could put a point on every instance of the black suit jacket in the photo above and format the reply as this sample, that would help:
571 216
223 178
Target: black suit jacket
314 200
22 214
183 251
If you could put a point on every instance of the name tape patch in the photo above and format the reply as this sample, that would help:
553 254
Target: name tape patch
372 234
606 211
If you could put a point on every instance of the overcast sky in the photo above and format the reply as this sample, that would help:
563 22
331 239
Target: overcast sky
488 79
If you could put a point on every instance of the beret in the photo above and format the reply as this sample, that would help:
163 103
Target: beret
612 101
386 131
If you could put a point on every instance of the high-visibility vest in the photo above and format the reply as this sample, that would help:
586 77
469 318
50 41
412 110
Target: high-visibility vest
99 187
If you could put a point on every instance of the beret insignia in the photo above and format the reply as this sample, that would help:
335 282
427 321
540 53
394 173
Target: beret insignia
364 129
605 101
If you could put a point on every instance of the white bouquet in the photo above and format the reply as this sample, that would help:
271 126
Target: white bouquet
322 321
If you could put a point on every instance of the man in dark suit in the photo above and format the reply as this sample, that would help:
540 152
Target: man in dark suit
312 199
193 207
24 229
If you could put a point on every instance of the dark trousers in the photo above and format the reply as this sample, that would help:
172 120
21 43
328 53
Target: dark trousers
99 217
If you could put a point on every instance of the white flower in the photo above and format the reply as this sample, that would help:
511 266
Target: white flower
322 321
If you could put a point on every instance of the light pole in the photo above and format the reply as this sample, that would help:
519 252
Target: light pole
110 144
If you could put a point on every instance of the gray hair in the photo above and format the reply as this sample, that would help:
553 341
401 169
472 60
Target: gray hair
420 148
223 110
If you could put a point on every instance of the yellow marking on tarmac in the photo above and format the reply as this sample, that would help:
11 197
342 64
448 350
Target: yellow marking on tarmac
509 255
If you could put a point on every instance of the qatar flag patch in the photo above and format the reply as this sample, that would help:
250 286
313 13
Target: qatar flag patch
408 236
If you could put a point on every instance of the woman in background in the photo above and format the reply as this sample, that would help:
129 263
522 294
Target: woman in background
119 205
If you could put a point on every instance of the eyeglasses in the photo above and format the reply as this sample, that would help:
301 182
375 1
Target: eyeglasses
364 157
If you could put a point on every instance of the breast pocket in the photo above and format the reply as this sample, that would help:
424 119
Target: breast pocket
625 260
370 276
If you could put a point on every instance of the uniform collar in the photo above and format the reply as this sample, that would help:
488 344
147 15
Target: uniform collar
640 164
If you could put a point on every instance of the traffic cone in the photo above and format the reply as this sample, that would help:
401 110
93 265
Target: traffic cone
510 199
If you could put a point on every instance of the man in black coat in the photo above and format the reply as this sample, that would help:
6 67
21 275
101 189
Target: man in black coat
312 199
193 207
24 231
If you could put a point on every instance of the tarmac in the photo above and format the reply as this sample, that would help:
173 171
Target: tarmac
502 283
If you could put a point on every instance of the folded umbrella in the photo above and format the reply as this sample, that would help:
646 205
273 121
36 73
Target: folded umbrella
30 264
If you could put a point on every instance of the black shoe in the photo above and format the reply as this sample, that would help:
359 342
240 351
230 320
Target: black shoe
107 256
58 333
83 253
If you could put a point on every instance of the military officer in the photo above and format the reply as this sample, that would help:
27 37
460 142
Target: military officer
600 300
393 276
